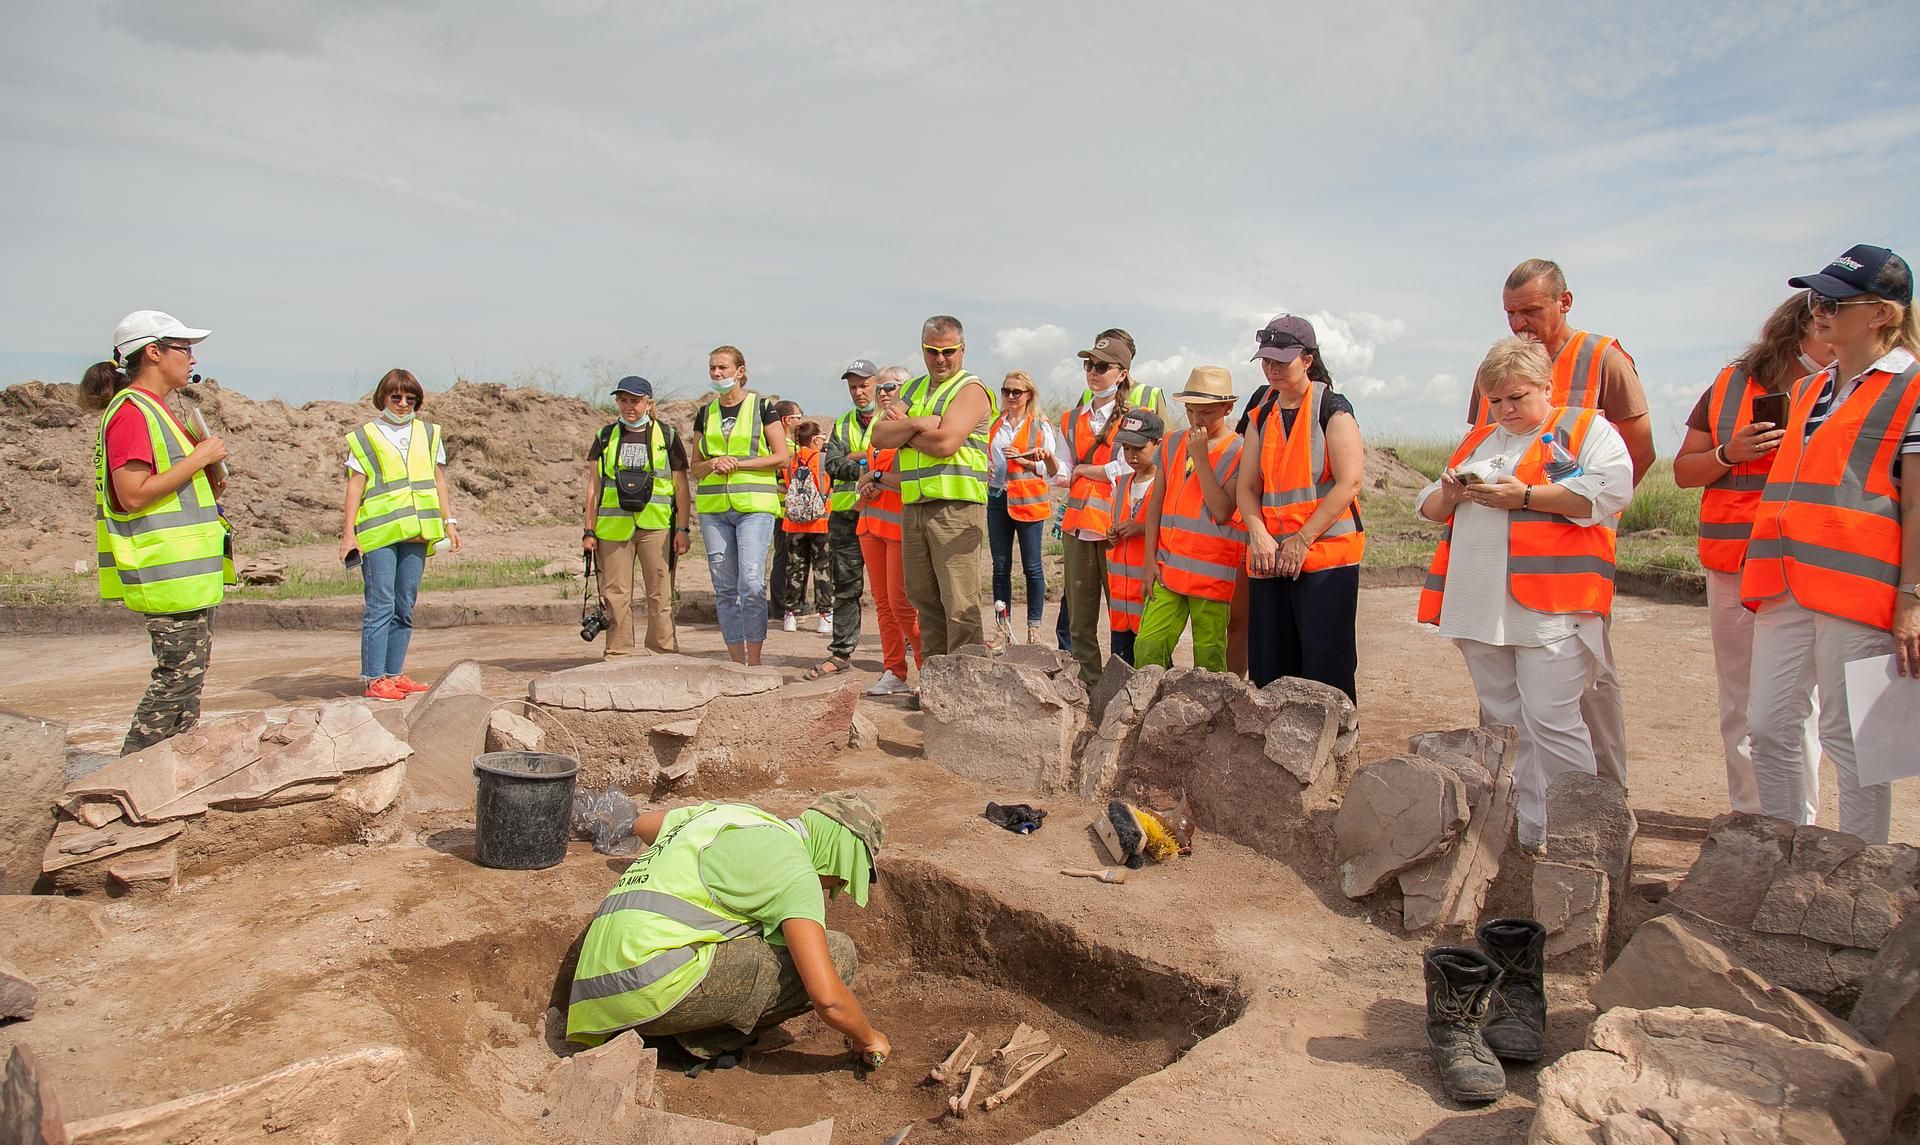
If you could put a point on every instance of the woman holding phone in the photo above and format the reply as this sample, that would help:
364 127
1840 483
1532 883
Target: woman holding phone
1837 534
1021 457
396 511
1733 435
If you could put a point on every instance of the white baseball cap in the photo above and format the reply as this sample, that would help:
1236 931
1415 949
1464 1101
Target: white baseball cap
142 327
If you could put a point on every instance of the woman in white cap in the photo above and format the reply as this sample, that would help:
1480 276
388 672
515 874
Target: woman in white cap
1837 536
162 544
396 512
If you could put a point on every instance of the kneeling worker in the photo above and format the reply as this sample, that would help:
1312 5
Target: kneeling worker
718 930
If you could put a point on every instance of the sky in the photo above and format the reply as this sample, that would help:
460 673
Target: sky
565 192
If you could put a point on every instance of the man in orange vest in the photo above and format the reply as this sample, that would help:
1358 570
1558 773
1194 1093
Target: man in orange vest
1193 529
1590 371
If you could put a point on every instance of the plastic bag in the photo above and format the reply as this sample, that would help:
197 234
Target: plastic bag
606 818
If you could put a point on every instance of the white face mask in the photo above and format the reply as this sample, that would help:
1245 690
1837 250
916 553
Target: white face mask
721 385
392 418
1102 384
1811 366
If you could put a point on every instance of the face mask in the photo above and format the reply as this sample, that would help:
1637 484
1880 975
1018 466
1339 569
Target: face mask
392 418
721 385
1102 384
864 407
639 422
1811 366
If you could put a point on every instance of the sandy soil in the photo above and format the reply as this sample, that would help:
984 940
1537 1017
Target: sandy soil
413 944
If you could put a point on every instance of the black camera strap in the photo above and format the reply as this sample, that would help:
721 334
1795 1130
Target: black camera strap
590 585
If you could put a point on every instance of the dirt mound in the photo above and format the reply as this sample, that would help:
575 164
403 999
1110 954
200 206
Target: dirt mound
514 456
1386 473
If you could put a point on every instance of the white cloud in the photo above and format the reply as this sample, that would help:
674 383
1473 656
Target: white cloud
1022 343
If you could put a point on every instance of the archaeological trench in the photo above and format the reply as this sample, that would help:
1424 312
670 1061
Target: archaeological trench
274 927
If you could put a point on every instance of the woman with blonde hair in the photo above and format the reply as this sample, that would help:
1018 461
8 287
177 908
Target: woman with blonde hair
396 512
1524 572
1733 435
1837 534
1022 454
740 446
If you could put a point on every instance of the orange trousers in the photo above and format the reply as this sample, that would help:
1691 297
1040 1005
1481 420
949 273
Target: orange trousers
899 623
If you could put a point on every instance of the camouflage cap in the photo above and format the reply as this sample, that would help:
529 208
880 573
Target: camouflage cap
857 814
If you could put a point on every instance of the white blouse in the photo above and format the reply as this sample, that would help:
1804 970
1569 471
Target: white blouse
1477 605
1002 441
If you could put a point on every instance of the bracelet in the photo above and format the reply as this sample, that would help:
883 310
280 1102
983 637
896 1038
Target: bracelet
1720 455
587 533
684 529
1527 497
453 521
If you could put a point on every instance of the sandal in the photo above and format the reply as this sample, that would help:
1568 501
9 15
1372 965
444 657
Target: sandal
832 666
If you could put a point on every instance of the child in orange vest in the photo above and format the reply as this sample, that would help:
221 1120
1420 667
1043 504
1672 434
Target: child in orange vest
1193 529
1140 432
807 540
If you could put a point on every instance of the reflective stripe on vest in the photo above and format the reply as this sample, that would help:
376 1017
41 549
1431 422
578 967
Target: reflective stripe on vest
880 516
743 490
1577 374
853 437
401 501
1296 474
1089 502
653 937
1553 565
960 477
170 556
614 524
1827 531
1198 556
1727 505
1027 496
1127 563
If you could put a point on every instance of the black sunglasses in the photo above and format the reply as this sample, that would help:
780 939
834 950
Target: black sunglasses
1279 339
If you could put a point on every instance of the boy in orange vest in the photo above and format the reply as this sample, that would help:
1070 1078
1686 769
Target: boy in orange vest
807 540
1140 432
1194 530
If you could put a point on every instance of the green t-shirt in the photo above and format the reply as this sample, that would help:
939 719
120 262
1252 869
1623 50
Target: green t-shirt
764 874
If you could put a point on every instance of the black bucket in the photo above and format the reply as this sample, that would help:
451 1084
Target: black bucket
522 808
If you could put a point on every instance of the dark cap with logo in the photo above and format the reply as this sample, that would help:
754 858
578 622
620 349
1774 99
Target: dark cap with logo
1862 270
637 386
1111 349
861 368
1140 427
1284 338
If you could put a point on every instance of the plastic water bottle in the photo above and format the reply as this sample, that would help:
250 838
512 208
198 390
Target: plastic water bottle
1563 464
1001 622
442 545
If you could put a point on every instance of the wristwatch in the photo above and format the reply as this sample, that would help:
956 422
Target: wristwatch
1911 589
684 529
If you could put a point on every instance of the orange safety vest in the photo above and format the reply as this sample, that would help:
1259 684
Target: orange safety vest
1127 563
810 457
1727 505
1296 474
880 517
1828 529
1553 565
1198 556
1576 374
1027 498
1089 503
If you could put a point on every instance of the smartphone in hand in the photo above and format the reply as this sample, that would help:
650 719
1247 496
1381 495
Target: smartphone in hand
1770 408
351 560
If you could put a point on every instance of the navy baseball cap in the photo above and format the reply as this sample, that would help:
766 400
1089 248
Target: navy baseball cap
637 386
1858 271
1285 338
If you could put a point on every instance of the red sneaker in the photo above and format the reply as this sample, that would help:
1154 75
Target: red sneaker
409 685
385 689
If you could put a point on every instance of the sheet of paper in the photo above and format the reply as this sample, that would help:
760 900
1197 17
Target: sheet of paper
1884 708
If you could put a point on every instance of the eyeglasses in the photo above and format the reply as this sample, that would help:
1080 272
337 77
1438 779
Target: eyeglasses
184 347
943 351
1825 307
1278 339
1093 367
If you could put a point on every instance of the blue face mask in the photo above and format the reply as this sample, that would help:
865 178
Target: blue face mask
639 422
392 418
721 385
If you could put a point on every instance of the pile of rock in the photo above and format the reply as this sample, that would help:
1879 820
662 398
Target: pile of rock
1435 821
650 724
225 791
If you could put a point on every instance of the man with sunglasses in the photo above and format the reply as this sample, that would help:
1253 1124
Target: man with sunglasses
940 428
1590 371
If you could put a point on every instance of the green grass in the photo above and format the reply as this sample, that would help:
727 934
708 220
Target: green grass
302 583
1426 454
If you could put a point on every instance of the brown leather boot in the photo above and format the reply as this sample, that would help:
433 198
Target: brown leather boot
1460 983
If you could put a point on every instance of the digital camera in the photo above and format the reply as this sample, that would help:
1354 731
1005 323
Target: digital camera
592 623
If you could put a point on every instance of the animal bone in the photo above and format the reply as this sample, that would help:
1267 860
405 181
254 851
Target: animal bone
957 1104
957 1062
1006 1091
1024 1038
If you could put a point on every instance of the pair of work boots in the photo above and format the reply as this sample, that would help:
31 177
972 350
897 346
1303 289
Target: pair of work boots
1487 1005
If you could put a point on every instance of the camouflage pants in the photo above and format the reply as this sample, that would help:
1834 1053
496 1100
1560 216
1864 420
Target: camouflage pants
751 986
807 552
849 570
182 647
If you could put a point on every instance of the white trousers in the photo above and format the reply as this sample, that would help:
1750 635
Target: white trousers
1604 710
1538 691
1790 657
1732 626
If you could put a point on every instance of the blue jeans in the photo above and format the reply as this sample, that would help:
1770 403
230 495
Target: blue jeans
391 576
1002 530
737 559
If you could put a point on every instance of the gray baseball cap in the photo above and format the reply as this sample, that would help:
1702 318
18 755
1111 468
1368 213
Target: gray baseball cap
861 368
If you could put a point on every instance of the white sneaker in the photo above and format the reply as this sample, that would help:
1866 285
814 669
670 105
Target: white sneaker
788 623
888 685
826 624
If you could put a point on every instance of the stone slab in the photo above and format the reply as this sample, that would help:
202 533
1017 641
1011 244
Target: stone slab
170 771
997 723
19 997
650 684
593 1093
29 1107
33 763
1575 904
1449 891
1397 812
820 1132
